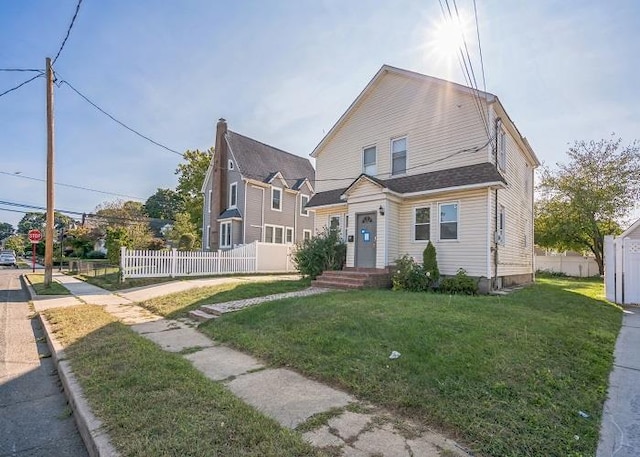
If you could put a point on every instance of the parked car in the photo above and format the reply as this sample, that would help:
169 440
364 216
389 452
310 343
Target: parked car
8 259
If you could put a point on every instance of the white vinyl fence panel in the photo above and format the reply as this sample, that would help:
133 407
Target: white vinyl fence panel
251 258
622 270
571 266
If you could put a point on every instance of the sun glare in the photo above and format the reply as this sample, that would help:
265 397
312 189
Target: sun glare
446 37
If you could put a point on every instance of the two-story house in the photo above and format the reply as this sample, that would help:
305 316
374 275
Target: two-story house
255 192
417 159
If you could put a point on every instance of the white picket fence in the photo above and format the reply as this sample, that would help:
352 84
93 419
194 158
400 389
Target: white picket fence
251 258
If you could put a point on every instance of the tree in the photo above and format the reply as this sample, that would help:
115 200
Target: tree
128 216
182 226
164 204
589 197
15 243
191 175
6 230
37 220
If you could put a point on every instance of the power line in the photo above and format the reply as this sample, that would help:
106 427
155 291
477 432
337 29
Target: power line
118 121
73 20
20 85
475 13
22 70
72 186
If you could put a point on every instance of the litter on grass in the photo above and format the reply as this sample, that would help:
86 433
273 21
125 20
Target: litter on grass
583 414
394 355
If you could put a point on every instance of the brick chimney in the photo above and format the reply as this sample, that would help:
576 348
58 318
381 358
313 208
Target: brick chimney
219 194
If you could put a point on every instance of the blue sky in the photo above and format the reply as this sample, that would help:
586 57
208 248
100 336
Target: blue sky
283 72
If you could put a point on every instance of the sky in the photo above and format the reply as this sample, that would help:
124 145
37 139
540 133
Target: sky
283 72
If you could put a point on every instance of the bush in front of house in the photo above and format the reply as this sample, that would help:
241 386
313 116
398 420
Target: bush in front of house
325 251
409 275
430 263
96 255
461 284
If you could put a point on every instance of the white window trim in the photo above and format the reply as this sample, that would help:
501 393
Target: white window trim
304 232
209 202
375 163
273 189
457 238
230 165
502 224
274 227
231 187
208 236
304 212
222 232
413 226
406 151
288 230
502 149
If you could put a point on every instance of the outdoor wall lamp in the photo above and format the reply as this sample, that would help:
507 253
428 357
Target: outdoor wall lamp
381 210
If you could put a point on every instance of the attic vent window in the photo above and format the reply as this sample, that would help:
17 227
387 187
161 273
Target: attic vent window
230 164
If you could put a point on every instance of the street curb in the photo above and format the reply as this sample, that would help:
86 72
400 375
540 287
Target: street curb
95 438
27 284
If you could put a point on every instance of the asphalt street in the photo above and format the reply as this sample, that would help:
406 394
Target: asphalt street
34 417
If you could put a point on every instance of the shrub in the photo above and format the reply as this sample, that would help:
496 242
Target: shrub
410 275
430 263
461 283
96 255
324 251
186 241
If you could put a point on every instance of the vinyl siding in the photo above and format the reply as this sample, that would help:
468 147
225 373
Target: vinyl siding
468 251
516 255
303 222
635 234
253 215
436 120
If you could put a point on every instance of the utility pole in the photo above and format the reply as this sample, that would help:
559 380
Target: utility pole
48 239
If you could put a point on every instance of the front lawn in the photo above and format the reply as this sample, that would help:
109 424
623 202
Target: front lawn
111 280
180 303
155 403
504 375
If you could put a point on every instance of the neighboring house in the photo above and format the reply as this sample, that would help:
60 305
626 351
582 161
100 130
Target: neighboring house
416 158
255 192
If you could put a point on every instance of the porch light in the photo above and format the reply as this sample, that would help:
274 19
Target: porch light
381 210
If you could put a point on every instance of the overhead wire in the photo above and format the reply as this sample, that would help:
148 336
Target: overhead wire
73 186
20 85
73 20
65 82
22 70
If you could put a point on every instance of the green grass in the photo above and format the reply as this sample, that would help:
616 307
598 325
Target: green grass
155 403
111 281
180 303
55 288
504 375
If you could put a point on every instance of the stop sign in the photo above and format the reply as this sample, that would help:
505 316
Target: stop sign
35 235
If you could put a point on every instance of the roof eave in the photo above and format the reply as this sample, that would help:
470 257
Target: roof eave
491 184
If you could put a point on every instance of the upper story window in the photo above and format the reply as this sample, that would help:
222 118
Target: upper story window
448 221
304 199
230 166
276 199
233 195
421 224
502 150
399 156
369 161
210 203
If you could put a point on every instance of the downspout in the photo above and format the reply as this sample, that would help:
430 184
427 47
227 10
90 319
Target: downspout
244 213
495 207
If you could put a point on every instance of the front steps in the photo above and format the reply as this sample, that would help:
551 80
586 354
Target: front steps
354 278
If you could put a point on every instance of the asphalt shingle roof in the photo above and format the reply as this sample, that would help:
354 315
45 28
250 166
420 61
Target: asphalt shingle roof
229 213
259 161
434 180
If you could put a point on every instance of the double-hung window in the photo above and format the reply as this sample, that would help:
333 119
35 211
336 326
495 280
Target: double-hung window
306 235
289 235
369 161
304 199
273 234
502 221
502 150
225 235
448 221
399 156
276 199
422 224
233 195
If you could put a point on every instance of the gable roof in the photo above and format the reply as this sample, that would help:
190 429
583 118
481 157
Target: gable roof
261 162
388 69
470 175
628 232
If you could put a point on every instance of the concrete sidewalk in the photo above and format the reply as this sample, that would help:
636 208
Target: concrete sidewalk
620 429
284 395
